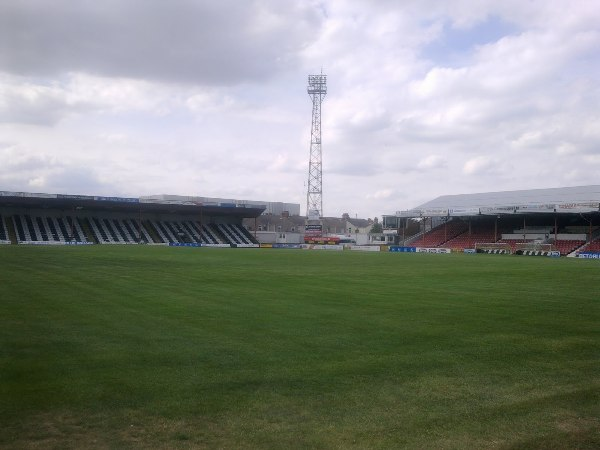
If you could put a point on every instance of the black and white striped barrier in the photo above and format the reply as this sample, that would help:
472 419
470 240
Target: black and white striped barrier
493 251
552 253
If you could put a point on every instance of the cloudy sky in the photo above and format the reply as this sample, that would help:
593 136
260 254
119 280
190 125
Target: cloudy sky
197 97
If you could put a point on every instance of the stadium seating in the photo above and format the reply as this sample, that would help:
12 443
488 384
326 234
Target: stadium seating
121 232
137 229
20 229
567 246
101 233
214 236
24 228
193 231
38 228
118 231
76 232
57 229
3 230
234 234
481 233
187 231
162 232
48 229
594 246
198 232
441 234
229 235
245 233
28 227
174 231
52 229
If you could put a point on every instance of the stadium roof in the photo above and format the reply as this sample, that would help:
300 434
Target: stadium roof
577 199
123 204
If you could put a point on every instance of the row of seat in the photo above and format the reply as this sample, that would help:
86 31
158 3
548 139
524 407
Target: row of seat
187 231
47 229
3 231
566 246
235 234
594 246
467 240
124 231
30 228
456 235
118 231
442 233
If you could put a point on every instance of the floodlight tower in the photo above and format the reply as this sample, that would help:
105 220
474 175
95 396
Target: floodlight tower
317 89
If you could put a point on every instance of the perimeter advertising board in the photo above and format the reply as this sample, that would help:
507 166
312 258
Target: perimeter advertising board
399 249
578 207
313 230
26 194
589 255
433 250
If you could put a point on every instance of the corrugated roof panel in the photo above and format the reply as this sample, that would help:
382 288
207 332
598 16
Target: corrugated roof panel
524 197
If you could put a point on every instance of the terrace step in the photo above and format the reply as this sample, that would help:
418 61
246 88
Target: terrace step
12 233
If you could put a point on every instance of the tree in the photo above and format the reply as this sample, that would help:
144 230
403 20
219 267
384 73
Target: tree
377 227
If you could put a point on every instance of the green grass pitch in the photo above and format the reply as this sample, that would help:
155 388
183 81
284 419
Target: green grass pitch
155 347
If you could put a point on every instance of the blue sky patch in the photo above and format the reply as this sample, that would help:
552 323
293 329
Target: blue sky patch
455 46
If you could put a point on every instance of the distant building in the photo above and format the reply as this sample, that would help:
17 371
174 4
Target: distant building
271 228
274 208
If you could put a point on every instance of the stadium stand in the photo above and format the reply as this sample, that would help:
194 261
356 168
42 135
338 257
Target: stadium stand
59 228
481 232
22 233
137 229
101 234
120 232
536 221
40 228
442 233
52 229
243 233
3 231
565 218
27 218
567 246
132 236
161 232
226 232
76 232
235 234
216 232
180 231
202 233
127 231
195 231
213 236
594 246
109 230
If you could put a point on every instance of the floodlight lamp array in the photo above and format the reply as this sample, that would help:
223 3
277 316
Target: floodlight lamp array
317 84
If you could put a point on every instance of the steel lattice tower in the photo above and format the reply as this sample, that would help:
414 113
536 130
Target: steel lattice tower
317 89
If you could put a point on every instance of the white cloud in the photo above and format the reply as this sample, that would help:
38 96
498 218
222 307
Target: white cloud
478 165
210 98
431 162
381 194
183 41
